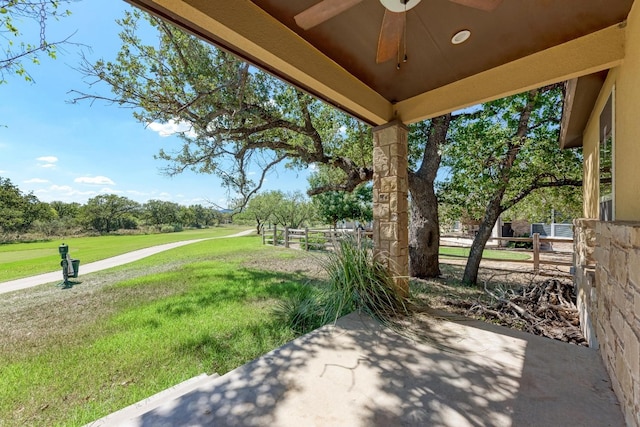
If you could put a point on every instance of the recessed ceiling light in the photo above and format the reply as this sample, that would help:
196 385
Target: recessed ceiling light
461 36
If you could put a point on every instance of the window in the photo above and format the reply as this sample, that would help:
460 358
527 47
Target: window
606 205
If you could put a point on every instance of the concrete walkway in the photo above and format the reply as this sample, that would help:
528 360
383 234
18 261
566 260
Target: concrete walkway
358 373
56 276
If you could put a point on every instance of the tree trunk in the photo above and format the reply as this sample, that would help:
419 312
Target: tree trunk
424 227
424 230
479 242
495 207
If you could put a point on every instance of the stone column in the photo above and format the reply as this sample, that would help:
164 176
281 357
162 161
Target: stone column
390 204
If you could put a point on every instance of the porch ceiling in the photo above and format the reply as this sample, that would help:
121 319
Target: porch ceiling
520 45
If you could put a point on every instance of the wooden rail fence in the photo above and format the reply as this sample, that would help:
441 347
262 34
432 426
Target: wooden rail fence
324 239
312 239
536 242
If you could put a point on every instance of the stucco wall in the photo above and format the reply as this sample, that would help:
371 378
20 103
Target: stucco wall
626 80
627 143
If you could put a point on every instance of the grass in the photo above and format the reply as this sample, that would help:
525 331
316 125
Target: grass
19 260
501 255
70 357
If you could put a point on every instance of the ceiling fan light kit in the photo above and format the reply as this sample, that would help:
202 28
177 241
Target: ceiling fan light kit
399 6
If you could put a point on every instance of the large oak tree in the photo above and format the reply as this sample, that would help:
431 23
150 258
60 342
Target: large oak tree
499 154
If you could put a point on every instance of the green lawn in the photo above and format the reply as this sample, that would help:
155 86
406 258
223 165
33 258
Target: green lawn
486 254
19 260
68 357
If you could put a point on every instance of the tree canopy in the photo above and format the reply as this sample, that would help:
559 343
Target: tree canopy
18 210
236 119
21 48
502 152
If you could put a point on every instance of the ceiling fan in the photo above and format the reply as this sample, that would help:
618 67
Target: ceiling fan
393 23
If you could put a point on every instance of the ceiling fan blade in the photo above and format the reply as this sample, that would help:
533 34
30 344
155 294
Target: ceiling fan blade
486 5
390 36
320 12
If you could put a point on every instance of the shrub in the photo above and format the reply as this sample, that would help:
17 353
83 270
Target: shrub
356 282
167 229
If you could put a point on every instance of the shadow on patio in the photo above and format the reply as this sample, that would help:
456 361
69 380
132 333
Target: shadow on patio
358 373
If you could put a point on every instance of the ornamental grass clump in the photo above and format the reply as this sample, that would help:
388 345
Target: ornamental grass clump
359 282
356 281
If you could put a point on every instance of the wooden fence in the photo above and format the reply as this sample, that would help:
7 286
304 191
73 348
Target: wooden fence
312 239
325 239
536 243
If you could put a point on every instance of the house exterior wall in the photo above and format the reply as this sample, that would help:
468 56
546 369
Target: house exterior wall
627 146
627 132
617 316
607 254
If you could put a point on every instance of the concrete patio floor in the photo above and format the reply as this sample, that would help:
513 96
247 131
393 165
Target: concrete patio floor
358 373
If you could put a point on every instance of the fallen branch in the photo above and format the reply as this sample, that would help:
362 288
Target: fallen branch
547 309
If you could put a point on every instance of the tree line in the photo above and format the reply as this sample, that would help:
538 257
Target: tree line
22 213
295 210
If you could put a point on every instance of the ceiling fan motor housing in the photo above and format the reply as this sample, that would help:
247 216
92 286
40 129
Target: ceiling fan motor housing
399 6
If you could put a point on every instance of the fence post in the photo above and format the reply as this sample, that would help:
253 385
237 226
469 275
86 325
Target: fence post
275 234
536 252
359 238
286 237
306 238
263 236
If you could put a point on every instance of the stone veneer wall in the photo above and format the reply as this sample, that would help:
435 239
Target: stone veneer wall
614 305
390 203
584 264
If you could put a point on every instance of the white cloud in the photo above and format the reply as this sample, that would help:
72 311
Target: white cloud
36 181
62 188
95 180
47 159
172 127
312 167
107 190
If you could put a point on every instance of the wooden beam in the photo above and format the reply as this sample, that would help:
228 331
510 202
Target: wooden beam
594 52
244 29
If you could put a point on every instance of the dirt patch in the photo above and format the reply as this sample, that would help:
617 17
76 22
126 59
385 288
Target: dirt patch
304 264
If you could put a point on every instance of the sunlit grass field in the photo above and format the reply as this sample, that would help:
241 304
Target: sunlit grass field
68 357
19 260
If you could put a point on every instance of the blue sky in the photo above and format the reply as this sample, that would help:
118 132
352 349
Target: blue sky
72 152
